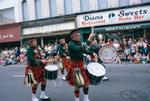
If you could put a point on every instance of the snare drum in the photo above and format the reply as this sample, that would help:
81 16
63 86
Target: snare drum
108 54
96 72
51 72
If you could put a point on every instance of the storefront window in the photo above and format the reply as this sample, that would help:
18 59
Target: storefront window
147 32
120 34
113 35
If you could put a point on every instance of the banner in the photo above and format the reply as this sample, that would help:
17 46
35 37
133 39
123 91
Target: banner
9 33
136 14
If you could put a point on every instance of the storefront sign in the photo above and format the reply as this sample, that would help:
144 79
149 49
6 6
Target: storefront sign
49 28
136 14
122 27
9 33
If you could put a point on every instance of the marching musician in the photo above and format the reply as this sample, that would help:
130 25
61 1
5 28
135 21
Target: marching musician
101 44
95 47
34 71
76 51
64 55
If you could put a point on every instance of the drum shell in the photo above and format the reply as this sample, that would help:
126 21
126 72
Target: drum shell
95 80
51 75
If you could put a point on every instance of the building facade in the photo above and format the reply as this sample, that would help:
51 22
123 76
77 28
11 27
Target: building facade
117 23
50 19
39 9
9 24
10 11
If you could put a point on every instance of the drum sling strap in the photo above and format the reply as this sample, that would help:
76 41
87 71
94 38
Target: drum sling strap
78 78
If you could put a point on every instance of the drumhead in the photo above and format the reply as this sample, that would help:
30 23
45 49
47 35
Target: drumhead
108 54
51 67
96 69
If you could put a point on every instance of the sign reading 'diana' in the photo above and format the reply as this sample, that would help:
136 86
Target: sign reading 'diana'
135 14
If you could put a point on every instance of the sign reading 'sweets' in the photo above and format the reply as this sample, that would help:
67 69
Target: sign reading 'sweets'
135 14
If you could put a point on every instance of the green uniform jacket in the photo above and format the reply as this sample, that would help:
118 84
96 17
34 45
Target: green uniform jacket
94 48
62 51
33 57
76 50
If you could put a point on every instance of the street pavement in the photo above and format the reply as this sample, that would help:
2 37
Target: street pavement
127 82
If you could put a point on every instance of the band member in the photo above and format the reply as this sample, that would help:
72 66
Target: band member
34 71
101 43
95 47
76 51
64 56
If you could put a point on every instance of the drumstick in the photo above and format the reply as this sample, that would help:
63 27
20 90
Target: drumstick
92 31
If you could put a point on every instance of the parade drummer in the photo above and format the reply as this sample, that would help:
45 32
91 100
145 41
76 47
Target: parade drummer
35 68
64 55
95 47
76 51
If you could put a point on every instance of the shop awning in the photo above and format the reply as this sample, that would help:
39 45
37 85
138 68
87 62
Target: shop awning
122 27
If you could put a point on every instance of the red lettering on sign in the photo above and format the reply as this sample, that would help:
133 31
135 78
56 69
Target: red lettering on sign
124 18
89 23
138 17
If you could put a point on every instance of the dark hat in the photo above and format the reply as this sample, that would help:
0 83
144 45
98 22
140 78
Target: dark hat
61 38
75 31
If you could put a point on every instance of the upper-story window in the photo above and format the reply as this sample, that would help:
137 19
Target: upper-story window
145 1
68 6
76 7
123 2
38 9
7 16
132 2
53 8
84 5
25 10
112 3
102 4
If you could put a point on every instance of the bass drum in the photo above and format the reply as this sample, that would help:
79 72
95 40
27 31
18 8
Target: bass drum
51 72
96 72
108 54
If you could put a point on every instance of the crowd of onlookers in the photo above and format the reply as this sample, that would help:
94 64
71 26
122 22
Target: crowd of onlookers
128 51
12 56
18 54
132 51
